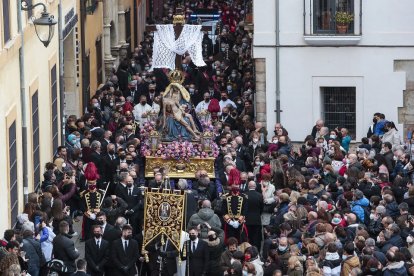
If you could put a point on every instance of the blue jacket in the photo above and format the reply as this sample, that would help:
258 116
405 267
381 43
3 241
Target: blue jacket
345 142
394 269
379 128
358 210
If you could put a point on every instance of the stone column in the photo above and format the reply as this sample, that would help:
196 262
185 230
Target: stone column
260 98
406 112
121 30
108 58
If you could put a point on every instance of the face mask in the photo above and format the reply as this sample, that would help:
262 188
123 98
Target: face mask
193 237
98 236
224 99
129 185
275 141
374 120
282 248
262 163
336 220
332 136
128 237
247 258
143 103
96 104
191 90
409 239
92 187
386 130
378 239
325 173
146 68
207 100
233 75
112 152
122 156
229 87
211 238
344 257
129 162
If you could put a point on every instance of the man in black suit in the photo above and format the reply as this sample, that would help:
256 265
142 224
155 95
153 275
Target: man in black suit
64 248
81 268
133 197
111 162
96 252
110 236
97 159
125 253
101 221
243 183
105 141
253 215
195 251
162 257
151 94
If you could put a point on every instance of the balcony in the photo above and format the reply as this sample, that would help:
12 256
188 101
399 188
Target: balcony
91 6
322 26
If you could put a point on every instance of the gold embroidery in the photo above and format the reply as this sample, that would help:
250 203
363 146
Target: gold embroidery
239 207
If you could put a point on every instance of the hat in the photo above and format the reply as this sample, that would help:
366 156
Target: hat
91 172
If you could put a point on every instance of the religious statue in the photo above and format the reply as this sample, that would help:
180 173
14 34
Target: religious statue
176 122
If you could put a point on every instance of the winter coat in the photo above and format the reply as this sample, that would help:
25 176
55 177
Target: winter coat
206 215
258 265
331 265
357 207
394 269
297 271
392 209
395 240
349 264
215 250
392 136
33 251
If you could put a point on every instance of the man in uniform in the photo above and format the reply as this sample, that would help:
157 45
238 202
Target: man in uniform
91 200
234 209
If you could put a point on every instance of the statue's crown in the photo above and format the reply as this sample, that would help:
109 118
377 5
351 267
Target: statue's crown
178 19
176 76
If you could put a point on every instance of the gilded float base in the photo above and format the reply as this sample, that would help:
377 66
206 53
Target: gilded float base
179 168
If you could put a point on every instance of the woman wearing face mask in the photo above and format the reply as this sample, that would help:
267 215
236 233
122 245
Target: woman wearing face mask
251 256
215 249
391 135
268 190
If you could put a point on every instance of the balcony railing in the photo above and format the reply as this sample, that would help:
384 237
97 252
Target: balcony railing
91 6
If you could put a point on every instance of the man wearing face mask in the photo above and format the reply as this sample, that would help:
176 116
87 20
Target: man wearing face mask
225 117
283 254
225 101
203 105
125 252
234 209
141 110
96 252
195 251
133 197
91 200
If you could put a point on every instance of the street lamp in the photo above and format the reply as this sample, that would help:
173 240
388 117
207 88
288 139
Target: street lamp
45 25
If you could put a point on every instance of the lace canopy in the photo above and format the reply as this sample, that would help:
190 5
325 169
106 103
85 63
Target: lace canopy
166 47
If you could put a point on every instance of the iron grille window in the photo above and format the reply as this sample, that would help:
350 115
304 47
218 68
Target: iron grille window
99 71
86 81
324 12
6 21
338 108
55 118
36 140
14 200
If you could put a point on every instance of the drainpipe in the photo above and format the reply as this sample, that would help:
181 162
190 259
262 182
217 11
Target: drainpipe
23 104
61 72
82 19
277 63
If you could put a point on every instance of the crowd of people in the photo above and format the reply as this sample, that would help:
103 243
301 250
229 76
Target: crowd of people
273 208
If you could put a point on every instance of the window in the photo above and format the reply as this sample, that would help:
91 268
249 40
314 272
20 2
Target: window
339 105
14 206
99 76
128 28
36 142
86 87
324 12
6 21
55 118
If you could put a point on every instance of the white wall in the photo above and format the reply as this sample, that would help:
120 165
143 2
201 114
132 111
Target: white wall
304 69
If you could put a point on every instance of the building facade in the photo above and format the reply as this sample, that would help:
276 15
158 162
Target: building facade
307 68
29 79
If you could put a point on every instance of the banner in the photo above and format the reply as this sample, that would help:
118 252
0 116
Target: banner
163 215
